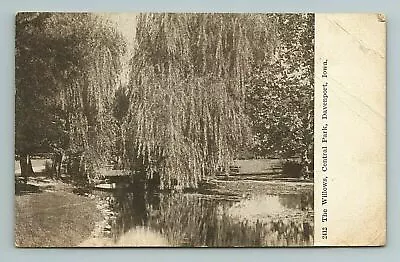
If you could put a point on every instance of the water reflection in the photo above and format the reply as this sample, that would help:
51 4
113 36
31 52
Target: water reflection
302 202
205 220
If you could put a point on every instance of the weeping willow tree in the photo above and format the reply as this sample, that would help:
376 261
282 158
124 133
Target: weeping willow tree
186 119
87 96
72 62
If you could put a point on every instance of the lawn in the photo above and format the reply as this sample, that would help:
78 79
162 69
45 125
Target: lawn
54 219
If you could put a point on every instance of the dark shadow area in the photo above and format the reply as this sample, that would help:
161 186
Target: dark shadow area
22 189
82 191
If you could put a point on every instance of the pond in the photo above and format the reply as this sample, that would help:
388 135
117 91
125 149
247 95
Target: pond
193 219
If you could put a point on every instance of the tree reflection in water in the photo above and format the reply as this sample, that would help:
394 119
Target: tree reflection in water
200 220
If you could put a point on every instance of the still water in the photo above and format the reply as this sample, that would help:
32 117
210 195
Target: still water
188 219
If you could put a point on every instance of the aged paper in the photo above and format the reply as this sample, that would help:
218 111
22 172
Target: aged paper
199 129
350 128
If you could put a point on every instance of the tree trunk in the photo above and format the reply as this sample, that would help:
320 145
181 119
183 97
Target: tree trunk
123 157
26 166
56 166
305 161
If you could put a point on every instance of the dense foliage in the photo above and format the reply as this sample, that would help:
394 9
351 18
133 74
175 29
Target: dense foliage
203 89
281 94
187 116
67 68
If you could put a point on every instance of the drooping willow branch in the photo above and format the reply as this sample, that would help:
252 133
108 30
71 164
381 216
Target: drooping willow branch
90 74
186 118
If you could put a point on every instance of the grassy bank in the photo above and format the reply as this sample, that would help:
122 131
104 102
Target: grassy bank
54 219
256 187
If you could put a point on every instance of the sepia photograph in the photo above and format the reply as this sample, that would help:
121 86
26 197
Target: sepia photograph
164 129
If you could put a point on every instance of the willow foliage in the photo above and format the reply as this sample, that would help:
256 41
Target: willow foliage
88 96
186 118
77 65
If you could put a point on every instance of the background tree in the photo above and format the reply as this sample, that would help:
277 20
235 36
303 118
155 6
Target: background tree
38 122
120 111
280 97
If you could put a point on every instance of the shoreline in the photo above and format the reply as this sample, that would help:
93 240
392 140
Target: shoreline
98 236
101 203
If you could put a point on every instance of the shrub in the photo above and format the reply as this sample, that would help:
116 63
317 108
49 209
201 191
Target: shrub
292 169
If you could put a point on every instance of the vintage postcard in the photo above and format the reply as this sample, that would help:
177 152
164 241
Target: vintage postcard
200 129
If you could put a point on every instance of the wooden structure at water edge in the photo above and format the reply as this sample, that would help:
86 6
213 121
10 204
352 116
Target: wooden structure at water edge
111 179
